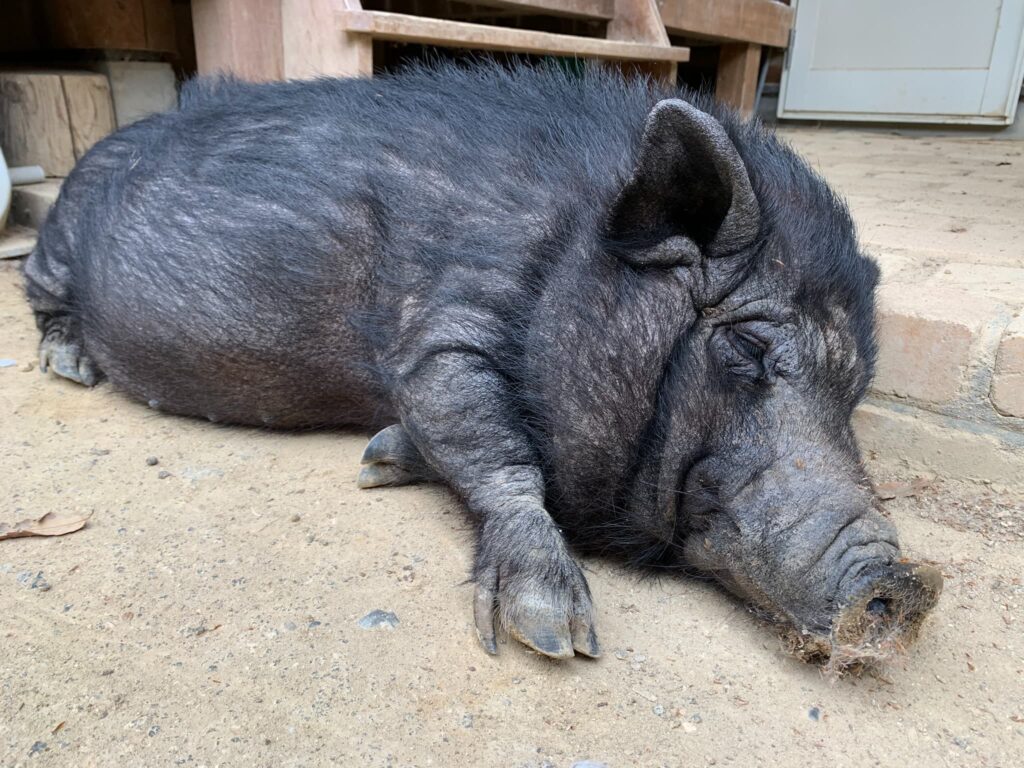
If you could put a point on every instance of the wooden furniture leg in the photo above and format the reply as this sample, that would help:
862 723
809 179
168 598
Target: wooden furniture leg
639 21
314 44
738 68
240 37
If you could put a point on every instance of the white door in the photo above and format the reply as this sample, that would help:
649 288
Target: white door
928 61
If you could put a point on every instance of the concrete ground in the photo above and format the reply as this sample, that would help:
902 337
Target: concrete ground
209 615
942 214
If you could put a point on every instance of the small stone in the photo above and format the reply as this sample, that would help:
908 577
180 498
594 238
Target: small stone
7 362
689 727
639 658
163 474
33 580
291 626
37 748
99 451
152 461
28 367
589 764
314 624
814 713
379 619
154 730
467 720
658 710
621 655
295 518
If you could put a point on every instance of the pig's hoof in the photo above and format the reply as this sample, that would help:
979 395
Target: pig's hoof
66 358
391 458
549 611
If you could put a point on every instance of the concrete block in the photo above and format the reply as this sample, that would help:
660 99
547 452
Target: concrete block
30 203
917 441
1004 284
1008 375
927 339
139 88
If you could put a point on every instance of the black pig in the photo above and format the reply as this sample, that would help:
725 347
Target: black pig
593 308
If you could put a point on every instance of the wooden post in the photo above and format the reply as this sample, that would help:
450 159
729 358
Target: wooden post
738 67
639 21
241 37
314 43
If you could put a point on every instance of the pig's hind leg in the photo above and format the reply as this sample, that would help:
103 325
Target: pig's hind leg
391 459
62 351
62 348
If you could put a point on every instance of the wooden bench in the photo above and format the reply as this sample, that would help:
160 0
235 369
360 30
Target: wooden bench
271 39
743 27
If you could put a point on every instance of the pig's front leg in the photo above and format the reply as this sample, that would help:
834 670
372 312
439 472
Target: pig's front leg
456 408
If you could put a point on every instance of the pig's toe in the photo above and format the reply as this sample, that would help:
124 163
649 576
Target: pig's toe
391 459
554 616
66 358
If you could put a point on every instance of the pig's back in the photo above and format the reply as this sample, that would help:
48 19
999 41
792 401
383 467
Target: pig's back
221 251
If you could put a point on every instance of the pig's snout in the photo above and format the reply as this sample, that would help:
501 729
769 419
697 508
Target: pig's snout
882 611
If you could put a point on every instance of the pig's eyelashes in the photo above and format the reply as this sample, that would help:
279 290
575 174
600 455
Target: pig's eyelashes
749 344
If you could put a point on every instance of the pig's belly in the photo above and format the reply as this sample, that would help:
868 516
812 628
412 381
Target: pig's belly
264 368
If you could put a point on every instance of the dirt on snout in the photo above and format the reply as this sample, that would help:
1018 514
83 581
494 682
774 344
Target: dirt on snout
234 600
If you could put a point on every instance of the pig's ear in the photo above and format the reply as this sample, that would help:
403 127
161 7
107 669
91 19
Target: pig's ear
689 193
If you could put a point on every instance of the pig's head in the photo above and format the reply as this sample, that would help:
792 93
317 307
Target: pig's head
739 267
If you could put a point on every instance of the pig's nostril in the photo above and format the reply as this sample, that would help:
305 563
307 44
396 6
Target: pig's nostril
878 607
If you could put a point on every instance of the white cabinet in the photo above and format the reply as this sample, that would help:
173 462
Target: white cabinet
930 61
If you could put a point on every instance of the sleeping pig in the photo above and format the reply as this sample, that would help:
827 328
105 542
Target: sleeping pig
610 316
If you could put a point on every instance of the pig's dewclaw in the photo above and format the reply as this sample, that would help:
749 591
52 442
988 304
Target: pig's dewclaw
483 615
66 358
381 475
391 459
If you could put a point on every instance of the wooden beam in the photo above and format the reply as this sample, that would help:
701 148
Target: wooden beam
581 9
456 34
314 45
638 21
753 21
90 109
738 67
240 37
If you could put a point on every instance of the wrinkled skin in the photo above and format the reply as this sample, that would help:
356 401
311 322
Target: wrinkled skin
604 315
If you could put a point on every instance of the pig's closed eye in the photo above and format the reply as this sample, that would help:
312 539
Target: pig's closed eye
748 345
739 352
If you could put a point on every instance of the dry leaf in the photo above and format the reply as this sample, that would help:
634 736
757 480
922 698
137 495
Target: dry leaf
896 490
50 524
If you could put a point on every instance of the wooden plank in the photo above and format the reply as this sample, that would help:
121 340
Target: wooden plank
638 21
34 125
754 21
582 9
456 34
90 109
242 37
738 67
137 25
313 45
160 28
